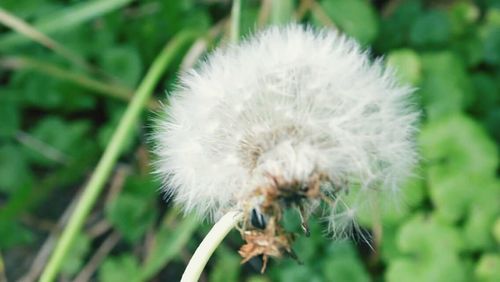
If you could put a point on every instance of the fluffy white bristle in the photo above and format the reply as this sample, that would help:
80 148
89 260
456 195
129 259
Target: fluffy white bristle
288 101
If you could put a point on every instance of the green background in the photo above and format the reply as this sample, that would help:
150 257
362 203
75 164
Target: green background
54 127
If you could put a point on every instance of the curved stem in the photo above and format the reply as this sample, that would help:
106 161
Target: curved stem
112 152
209 244
228 221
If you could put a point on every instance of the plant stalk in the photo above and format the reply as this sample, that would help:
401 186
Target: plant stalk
235 21
208 245
112 152
222 227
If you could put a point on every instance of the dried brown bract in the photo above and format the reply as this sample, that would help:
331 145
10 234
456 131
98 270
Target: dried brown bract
262 230
272 241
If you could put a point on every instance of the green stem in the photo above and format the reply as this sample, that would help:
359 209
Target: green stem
235 21
281 11
227 222
112 152
207 247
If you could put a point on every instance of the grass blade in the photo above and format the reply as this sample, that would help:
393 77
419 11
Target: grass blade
112 152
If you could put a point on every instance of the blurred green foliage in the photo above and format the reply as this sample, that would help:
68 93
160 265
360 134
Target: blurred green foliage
52 131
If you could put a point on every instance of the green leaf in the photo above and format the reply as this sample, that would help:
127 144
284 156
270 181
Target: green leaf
124 63
169 242
142 186
10 117
488 4
486 96
488 268
446 86
121 268
389 248
14 234
170 17
481 217
329 261
462 160
431 29
56 141
259 278
430 253
407 64
462 15
426 238
81 40
30 196
470 48
492 46
227 266
37 90
491 121
14 169
457 145
490 34
307 248
297 273
131 215
343 264
28 8
354 17
414 191
40 90
395 28
392 208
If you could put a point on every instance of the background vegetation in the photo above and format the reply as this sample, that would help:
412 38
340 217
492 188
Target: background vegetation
64 91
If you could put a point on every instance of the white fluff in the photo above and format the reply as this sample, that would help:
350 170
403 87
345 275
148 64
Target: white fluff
288 101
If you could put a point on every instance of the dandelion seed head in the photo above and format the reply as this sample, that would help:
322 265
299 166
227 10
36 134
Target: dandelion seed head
288 105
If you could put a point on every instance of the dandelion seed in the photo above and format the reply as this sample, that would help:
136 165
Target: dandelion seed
288 118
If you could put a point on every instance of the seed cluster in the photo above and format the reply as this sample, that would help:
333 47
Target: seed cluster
288 118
